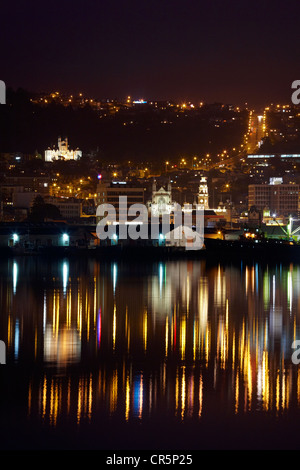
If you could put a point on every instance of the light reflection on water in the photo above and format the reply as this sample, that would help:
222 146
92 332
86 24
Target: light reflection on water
183 339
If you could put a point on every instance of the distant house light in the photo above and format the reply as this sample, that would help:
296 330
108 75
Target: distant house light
15 237
65 237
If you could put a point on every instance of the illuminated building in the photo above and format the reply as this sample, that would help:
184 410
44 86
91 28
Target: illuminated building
280 199
45 235
110 194
62 152
161 202
203 194
258 158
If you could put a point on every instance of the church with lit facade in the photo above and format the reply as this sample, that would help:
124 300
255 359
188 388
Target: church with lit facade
161 202
62 152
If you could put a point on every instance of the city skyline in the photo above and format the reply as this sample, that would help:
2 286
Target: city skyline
149 227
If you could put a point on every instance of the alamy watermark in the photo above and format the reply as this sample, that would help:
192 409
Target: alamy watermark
296 354
2 352
2 92
296 94
186 229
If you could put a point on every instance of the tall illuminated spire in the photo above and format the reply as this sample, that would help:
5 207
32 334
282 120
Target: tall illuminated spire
203 194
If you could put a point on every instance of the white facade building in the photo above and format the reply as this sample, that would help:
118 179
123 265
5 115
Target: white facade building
62 152
161 202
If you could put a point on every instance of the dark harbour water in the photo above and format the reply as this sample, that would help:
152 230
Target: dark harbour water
164 355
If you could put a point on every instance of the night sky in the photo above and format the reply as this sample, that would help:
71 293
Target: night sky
226 51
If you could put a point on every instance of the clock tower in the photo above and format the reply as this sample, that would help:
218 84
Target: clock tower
203 194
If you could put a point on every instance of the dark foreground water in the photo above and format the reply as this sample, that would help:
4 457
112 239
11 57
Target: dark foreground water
171 355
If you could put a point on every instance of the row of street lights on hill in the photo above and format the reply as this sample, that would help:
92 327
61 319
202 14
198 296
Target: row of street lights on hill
200 163
196 163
